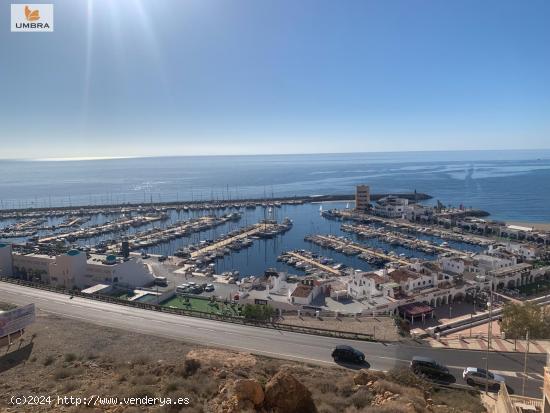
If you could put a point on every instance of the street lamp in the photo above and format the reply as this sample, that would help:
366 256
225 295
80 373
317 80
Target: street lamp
489 333
487 371
525 363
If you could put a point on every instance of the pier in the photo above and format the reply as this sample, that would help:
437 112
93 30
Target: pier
426 229
314 263
255 230
112 226
333 241
179 229
400 239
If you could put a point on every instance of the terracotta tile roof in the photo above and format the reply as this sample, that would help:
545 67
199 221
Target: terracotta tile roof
375 277
302 291
400 275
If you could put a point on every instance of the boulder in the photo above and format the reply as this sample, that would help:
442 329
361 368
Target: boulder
285 394
248 389
234 405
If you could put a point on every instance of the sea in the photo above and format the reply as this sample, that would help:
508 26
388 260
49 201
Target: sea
510 185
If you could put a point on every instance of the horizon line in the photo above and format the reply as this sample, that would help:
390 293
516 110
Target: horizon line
116 157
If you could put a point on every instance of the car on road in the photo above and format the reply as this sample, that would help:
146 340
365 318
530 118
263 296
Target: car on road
348 353
209 287
428 367
476 376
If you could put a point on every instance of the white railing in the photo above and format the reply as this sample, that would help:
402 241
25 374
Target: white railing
526 400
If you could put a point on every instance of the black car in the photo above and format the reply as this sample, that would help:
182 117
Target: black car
428 367
348 353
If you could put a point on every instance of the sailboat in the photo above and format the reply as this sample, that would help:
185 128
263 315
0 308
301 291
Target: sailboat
321 209
347 205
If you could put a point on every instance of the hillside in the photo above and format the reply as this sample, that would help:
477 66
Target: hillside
66 357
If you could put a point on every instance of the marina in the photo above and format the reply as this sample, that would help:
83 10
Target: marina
348 247
245 236
311 263
398 238
401 225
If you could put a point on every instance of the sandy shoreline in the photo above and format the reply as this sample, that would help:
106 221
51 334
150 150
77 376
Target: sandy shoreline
542 226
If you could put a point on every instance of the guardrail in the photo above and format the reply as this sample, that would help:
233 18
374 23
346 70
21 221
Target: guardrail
504 404
526 400
196 313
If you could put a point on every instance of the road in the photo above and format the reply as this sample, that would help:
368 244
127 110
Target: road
273 343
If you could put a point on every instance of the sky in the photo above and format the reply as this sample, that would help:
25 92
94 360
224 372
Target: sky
190 77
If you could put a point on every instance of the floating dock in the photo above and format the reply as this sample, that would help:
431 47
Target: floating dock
335 241
256 229
314 263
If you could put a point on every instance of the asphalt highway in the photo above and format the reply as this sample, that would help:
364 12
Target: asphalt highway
275 343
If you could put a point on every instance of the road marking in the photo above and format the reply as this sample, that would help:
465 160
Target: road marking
391 358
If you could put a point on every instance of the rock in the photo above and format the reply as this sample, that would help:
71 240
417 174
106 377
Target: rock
248 389
234 405
285 394
365 377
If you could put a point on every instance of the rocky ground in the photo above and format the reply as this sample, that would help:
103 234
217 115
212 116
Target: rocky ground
65 357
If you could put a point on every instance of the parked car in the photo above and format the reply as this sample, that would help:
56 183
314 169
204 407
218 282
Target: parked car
476 376
209 287
348 353
182 289
195 289
428 367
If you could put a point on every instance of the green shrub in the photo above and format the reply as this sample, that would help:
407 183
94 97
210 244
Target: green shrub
258 312
49 360
190 367
70 357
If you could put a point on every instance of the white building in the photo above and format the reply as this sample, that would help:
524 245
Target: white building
392 207
511 276
75 270
68 270
492 261
367 285
127 273
306 292
525 251
411 281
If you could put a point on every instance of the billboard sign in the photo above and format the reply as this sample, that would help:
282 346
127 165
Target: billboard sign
17 319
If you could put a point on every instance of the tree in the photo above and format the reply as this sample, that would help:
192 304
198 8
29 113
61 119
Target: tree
518 318
258 312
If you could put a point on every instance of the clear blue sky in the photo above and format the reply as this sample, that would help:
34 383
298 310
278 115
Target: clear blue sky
166 77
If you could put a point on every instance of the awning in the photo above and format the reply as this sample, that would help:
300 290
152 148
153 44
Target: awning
415 309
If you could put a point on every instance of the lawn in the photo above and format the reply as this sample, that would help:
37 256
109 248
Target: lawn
205 306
